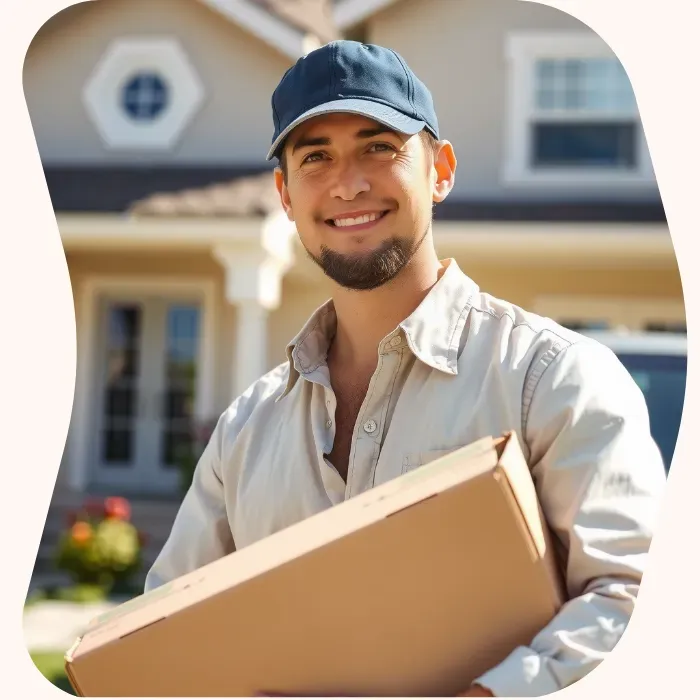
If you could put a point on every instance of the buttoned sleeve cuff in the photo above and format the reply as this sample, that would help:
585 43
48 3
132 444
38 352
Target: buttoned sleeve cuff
523 674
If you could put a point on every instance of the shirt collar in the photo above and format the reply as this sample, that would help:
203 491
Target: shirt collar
432 331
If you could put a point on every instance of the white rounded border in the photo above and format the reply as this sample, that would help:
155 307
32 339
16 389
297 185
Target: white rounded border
102 93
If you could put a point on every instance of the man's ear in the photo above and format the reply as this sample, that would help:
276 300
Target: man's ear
283 193
444 168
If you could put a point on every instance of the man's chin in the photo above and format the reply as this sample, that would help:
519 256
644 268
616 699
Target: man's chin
366 270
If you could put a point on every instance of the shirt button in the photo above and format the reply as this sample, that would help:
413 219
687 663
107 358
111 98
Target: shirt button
370 426
329 422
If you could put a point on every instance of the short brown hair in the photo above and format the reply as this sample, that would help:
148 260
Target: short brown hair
429 142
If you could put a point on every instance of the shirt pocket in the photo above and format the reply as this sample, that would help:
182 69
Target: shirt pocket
413 460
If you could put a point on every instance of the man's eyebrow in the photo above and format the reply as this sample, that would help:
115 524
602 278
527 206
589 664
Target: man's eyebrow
374 131
305 141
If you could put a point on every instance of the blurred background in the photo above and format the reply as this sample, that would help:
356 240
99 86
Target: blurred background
152 121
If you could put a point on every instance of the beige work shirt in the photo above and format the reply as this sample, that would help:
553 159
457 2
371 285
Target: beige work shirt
462 366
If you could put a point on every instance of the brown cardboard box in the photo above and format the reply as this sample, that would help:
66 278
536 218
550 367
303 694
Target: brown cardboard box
412 588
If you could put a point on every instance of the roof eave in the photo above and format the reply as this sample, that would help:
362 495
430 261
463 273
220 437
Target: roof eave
277 34
348 13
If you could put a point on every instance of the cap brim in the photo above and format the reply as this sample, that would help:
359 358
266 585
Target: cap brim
374 110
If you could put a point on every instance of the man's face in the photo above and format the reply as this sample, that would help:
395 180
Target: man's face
361 196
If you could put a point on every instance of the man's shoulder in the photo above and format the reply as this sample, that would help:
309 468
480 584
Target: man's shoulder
538 343
528 326
262 392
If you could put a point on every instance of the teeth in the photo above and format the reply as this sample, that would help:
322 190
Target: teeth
358 220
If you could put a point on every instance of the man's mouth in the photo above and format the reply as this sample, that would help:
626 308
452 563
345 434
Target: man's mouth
357 221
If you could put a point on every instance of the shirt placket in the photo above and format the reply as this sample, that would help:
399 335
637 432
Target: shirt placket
369 429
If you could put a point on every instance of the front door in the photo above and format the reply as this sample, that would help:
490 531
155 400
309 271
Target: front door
146 389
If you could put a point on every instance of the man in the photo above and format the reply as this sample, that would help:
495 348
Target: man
410 358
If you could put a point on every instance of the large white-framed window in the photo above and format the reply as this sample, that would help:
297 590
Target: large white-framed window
572 117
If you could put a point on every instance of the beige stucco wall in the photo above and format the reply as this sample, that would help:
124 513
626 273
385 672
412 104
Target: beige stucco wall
457 47
234 124
299 299
635 291
302 294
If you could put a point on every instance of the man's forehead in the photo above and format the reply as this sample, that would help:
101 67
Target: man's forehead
332 124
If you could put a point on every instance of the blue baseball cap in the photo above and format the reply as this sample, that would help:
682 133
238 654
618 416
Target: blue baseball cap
348 76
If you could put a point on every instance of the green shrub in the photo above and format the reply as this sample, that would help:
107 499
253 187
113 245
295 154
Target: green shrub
101 547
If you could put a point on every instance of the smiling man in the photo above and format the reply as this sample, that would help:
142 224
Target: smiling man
410 358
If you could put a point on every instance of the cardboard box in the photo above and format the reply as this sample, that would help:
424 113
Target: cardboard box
412 588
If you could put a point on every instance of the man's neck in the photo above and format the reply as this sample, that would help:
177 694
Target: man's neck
365 317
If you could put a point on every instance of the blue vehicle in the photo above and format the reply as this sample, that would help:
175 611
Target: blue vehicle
658 363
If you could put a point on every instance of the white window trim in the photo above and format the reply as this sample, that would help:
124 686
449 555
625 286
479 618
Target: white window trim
521 50
78 461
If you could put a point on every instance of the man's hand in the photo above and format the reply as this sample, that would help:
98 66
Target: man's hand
476 691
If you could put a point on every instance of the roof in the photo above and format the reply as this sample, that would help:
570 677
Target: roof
251 195
286 25
207 191
349 13
312 16
93 189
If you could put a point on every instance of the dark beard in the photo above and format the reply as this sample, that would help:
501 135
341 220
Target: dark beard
366 271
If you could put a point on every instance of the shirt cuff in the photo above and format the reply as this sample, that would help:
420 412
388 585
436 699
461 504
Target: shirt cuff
521 675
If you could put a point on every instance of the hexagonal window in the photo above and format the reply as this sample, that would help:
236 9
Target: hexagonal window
142 94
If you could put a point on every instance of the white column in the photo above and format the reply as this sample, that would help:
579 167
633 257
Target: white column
251 344
79 438
254 271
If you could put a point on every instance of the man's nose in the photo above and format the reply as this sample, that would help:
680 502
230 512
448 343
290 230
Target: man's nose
349 181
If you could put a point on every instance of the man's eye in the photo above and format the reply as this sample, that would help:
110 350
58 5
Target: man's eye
312 157
381 147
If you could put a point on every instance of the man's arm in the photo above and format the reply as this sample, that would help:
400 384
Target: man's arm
599 476
201 532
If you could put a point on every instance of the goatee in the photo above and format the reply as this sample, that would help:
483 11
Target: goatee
366 271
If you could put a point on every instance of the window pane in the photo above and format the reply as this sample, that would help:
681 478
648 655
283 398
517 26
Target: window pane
117 447
120 403
585 144
588 84
120 389
179 404
145 96
546 73
546 99
177 410
124 326
176 447
573 84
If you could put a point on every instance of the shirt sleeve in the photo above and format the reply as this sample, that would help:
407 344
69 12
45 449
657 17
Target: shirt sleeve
200 533
600 477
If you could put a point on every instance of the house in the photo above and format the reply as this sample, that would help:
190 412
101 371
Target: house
153 120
